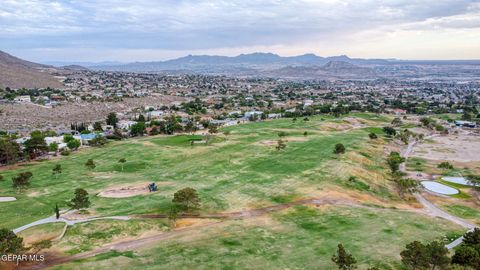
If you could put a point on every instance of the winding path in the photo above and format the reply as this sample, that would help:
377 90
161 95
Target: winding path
430 208
137 243
67 222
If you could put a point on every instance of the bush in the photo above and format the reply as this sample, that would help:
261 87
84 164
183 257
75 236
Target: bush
339 148
445 165
390 131
372 136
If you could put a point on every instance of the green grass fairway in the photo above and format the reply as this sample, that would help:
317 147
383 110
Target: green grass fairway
237 170
232 172
300 238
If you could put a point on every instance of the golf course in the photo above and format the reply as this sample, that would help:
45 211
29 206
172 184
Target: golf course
261 206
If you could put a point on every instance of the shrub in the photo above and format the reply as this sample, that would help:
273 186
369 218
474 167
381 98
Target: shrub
339 148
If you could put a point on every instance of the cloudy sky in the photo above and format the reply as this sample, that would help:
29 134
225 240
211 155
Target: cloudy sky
147 30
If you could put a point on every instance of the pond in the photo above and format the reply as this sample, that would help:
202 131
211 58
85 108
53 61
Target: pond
458 180
439 188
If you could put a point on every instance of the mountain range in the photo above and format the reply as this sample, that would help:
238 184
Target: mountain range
18 73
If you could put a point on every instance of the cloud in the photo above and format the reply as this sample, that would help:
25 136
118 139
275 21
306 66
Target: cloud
196 25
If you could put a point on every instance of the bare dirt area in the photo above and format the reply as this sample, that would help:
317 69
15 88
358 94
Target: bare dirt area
18 116
286 140
125 191
462 147
79 215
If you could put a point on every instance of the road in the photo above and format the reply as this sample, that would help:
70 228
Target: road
430 208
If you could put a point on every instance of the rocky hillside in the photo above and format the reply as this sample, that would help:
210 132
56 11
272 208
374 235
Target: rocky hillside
18 73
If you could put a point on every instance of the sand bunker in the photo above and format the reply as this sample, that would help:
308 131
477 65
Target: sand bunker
125 191
7 199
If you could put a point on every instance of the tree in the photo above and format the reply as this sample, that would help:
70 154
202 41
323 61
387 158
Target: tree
80 200
339 148
372 136
445 165
22 180
38 246
53 147
137 129
212 129
343 259
97 126
468 253
90 164
467 256
437 255
1 178
10 243
122 161
112 119
141 118
394 160
187 199
73 144
10 151
67 138
57 211
390 131
57 170
406 186
173 213
472 238
305 133
415 255
98 141
36 145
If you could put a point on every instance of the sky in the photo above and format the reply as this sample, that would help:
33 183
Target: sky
150 30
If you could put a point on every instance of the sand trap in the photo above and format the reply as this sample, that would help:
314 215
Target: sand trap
7 199
458 180
125 191
439 188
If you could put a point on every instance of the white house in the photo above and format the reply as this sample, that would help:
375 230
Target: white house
125 124
156 114
24 99
257 113
58 140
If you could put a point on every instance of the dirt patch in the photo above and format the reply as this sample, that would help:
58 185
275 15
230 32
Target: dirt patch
148 143
189 222
285 139
102 175
79 215
460 147
268 142
125 191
